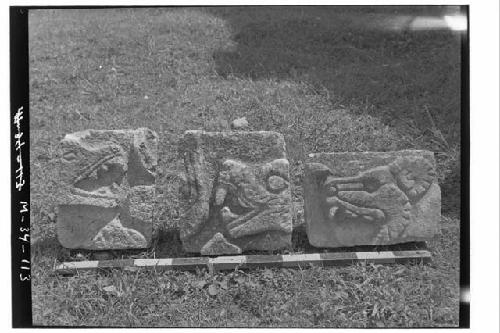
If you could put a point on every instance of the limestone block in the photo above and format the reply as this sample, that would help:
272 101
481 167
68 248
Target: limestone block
371 198
108 180
236 194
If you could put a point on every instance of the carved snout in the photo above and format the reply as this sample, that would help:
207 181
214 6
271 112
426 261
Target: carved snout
368 181
369 214
334 185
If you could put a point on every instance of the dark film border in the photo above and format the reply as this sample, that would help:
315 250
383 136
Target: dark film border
20 168
464 307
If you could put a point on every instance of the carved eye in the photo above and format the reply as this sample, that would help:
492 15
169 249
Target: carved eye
330 190
276 184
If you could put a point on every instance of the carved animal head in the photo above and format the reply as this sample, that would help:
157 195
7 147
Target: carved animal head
382 194
251 198
412 174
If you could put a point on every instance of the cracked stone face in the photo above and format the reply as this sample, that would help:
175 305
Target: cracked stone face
237 193
108 180
371 198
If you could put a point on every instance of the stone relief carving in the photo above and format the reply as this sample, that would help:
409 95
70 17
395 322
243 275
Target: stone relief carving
236 205
252 198
383 196
109 179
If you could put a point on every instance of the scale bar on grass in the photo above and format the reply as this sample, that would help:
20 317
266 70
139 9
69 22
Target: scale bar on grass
250 261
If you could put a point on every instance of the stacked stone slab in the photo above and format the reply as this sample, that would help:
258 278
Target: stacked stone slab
371 198
237 193
108 194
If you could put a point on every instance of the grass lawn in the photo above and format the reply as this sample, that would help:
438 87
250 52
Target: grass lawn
329 79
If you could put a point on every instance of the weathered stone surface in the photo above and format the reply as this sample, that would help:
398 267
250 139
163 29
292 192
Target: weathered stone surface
108 180
371 198
237 185
219 244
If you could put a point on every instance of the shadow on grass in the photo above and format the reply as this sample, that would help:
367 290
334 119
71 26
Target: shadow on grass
354 55
168 244
409 79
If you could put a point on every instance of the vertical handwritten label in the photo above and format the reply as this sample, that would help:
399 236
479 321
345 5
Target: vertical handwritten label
19 119
24 227
18 144
24 237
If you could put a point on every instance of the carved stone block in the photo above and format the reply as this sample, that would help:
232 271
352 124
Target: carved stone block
108 180
236 194
371 198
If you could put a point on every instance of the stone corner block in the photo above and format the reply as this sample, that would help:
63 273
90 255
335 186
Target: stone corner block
108 179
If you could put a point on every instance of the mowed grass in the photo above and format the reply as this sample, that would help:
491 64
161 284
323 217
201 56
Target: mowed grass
327 78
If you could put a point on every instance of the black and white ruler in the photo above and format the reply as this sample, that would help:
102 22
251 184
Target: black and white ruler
250 261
